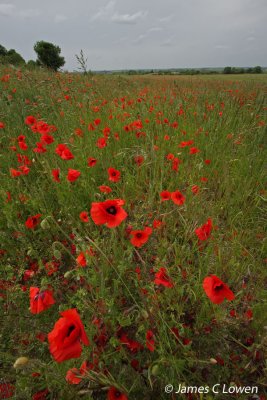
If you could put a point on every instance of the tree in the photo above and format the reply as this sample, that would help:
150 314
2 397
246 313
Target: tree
48 55
227 70
14 58
257 70
3 50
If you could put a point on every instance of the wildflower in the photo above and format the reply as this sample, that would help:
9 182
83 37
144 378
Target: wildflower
109 213
66 337
217 290
40 301
140 237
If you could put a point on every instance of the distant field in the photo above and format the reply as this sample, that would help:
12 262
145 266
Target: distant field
133 235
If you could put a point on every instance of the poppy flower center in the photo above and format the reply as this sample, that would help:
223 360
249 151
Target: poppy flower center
217 288
111 210
117 394
139 235
70 329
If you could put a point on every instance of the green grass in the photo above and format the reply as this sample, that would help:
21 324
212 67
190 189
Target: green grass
108 288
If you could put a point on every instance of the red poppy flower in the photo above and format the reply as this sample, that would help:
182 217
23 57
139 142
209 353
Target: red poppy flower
178 198
66 337
84 216
105 189
161 278
64 152
33 221
81 260
73 174
194 150
91 161
217 290
55 173
140 237
115 394
165 195
72 376
139 160
101 142
2 125
108 213
40 301
150 342
30 120
114 175
203 233
7 390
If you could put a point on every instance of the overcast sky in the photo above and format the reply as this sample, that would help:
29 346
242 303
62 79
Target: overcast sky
129 34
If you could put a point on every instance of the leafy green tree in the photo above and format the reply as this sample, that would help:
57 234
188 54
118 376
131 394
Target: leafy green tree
3 50
14 58
227 70
257 70
48 55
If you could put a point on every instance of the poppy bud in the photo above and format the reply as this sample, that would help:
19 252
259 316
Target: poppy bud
155 370
21 362
57 254
45 224
213 361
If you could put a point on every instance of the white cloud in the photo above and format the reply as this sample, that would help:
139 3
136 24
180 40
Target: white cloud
7 10
60 18
108 13
128 18
104 12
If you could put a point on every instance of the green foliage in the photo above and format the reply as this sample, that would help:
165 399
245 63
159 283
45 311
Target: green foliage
10 57
3 50
48 55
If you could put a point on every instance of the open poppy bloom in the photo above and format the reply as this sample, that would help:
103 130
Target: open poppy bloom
217 290
140 237
203 233
73 174
115 394
64 152
165 195
178 198
66 337
32 221
40 301
108 213
113 175
161 278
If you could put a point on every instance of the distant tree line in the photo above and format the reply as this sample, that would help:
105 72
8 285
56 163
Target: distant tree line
234 70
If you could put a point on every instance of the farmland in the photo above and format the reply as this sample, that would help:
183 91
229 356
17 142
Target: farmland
133 249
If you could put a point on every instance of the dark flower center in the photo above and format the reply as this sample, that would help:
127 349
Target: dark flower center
117 394
70 329
219 287
139 235
111 210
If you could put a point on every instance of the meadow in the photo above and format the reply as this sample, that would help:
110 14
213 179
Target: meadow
133 248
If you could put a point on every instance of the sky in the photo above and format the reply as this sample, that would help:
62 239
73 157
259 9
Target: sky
136 34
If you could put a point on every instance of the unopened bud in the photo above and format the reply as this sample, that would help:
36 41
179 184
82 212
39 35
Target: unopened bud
21 362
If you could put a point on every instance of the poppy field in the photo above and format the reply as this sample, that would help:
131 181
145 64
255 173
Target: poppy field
132 236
